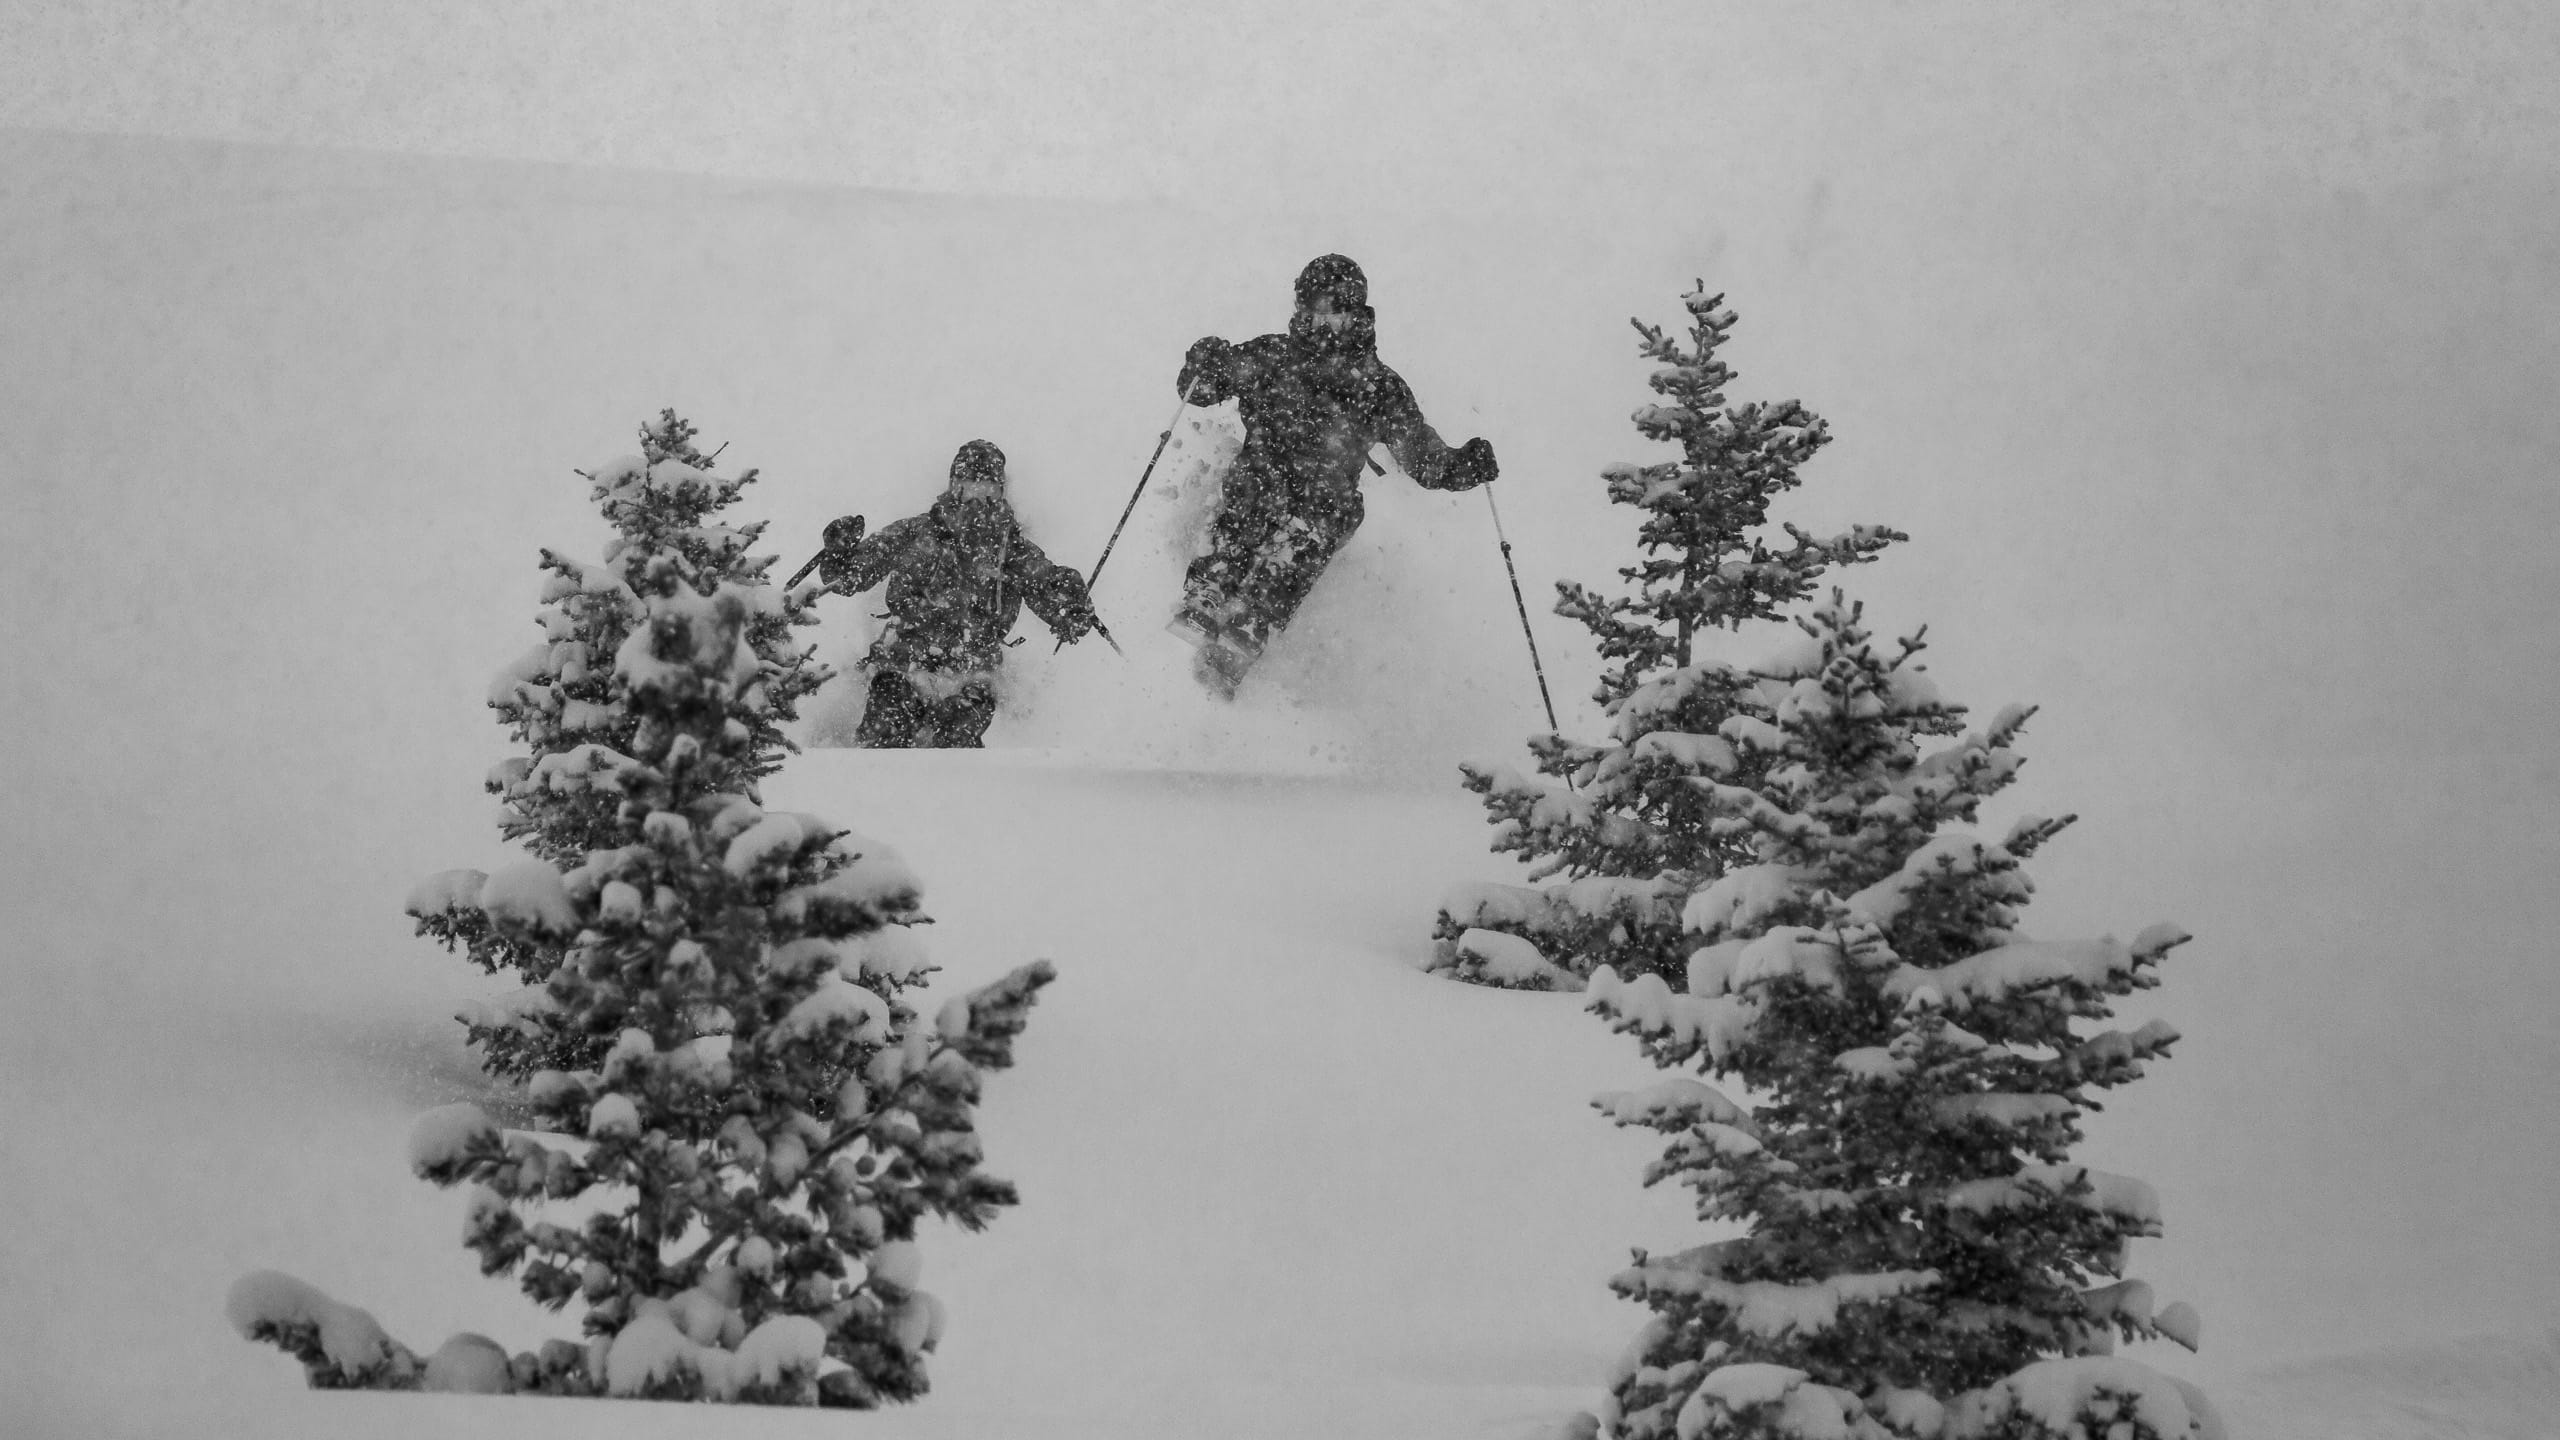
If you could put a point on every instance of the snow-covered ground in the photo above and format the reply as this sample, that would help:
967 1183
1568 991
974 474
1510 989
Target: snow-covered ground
290 426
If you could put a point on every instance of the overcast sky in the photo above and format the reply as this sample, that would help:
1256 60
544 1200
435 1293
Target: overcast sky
1436 105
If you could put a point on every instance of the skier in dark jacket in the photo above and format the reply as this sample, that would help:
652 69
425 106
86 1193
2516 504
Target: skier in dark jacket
1313 401
959 575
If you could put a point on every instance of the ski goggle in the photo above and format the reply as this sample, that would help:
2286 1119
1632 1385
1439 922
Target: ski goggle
1334 314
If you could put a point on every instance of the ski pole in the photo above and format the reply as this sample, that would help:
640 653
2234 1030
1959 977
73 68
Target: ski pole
1523 607
1095 576
841 534
1100 629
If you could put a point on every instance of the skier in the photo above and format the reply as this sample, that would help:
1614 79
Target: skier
959 575
1313 401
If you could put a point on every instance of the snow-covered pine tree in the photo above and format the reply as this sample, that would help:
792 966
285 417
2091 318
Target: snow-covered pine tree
1920 1255
1621 821
769 1118
558 697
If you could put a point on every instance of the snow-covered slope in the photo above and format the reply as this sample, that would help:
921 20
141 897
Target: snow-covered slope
2476 1387
1275 1180
291 426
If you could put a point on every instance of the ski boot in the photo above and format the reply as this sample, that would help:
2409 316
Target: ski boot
1222 649
1193 628
1220 665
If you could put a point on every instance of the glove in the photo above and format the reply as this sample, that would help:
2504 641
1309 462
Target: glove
1208 371
1075 623
835 548
1473 465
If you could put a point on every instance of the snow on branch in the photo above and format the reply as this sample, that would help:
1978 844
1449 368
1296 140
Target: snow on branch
340 1346
1671 1023
1674 1104
743 1115
2121 1196
1769 1308
2105 964
2101 1396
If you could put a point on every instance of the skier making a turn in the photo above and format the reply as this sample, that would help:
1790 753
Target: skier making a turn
959 575
1313 401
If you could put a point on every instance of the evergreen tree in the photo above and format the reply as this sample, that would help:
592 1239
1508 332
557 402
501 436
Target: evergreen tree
1920 1256
559 697
765 1117
1622 821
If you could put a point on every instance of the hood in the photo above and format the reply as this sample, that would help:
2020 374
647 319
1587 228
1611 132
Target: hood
1336 278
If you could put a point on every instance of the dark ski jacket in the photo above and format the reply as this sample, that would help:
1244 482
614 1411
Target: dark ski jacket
1311 413
956 586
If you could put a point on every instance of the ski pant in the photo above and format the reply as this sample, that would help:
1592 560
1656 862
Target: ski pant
1262 562
903 715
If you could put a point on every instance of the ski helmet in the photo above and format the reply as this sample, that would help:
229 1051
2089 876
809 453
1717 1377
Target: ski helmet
1352 330
1337 276
978 460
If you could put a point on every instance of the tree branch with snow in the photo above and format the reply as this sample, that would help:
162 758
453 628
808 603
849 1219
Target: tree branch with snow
1921 1256
1621 820
742 1118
